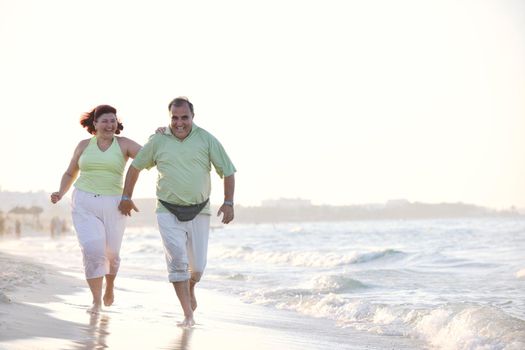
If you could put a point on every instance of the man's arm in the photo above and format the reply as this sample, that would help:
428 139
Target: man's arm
227 207
126 204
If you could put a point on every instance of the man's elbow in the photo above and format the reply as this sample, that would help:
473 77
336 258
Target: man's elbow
133 171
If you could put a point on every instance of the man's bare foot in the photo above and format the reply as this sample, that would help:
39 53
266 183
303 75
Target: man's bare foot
94 309
109 297
193 299
187 323
193 283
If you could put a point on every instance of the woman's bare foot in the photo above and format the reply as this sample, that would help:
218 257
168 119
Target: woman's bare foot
94 309
109 297
187 323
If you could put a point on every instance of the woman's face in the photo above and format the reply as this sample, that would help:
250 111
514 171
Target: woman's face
106 124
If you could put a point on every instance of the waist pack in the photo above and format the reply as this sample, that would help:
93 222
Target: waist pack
184 212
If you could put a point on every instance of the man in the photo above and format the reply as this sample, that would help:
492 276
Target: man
183 155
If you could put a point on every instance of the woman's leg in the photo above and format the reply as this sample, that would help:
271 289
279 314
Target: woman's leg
95 284
114 224
109 296
90 234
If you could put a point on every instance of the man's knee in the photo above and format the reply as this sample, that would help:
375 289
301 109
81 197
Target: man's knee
196 277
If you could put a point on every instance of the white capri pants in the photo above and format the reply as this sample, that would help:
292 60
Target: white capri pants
100 227
185 244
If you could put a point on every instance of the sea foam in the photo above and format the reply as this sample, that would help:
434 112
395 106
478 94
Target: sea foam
451 326
470 327
303 258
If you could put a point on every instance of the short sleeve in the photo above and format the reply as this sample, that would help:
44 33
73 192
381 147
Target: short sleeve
220 160
145 159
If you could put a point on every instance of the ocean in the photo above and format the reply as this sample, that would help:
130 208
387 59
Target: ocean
446 284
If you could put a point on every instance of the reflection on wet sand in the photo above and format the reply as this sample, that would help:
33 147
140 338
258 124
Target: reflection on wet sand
182 342
96 332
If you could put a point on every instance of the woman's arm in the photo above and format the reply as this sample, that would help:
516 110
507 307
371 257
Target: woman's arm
70 174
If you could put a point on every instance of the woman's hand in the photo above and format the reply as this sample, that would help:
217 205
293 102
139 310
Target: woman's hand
160 130
55 197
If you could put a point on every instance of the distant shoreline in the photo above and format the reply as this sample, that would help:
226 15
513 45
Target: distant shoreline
271 211
395 210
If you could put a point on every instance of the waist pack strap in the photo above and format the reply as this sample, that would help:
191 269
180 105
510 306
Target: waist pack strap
184 212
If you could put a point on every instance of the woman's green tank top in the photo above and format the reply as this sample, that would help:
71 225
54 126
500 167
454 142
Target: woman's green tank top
101 172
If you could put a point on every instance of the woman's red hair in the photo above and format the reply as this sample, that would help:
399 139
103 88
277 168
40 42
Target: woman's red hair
87 119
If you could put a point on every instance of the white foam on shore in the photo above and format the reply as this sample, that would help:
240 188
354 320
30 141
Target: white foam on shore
470 328
454 326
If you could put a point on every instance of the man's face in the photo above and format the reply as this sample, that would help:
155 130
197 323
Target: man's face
181 121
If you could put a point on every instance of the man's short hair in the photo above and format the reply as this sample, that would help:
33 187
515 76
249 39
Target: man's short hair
179 101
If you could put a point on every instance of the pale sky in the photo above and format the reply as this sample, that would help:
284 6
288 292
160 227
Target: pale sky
339 102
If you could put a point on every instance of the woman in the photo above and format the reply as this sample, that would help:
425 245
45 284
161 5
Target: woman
99 224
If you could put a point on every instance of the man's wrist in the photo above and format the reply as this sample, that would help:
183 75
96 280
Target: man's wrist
229 203
125 198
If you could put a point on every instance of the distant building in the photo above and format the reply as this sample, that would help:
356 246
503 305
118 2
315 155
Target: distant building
396 203
286 203
10 199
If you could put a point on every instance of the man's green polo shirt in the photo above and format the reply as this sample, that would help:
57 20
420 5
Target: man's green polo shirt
184 166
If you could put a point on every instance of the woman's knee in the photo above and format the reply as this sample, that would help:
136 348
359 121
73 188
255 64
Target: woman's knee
93 248
112 255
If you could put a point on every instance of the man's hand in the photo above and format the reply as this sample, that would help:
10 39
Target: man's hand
227 212
126 206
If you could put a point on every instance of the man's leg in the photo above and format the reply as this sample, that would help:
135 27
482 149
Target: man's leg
197 251
182 289
195 278
174 237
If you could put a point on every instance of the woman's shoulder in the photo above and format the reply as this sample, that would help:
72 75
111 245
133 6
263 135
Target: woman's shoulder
123 141
84 143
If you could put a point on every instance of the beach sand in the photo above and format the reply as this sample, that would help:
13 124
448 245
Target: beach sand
44 307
